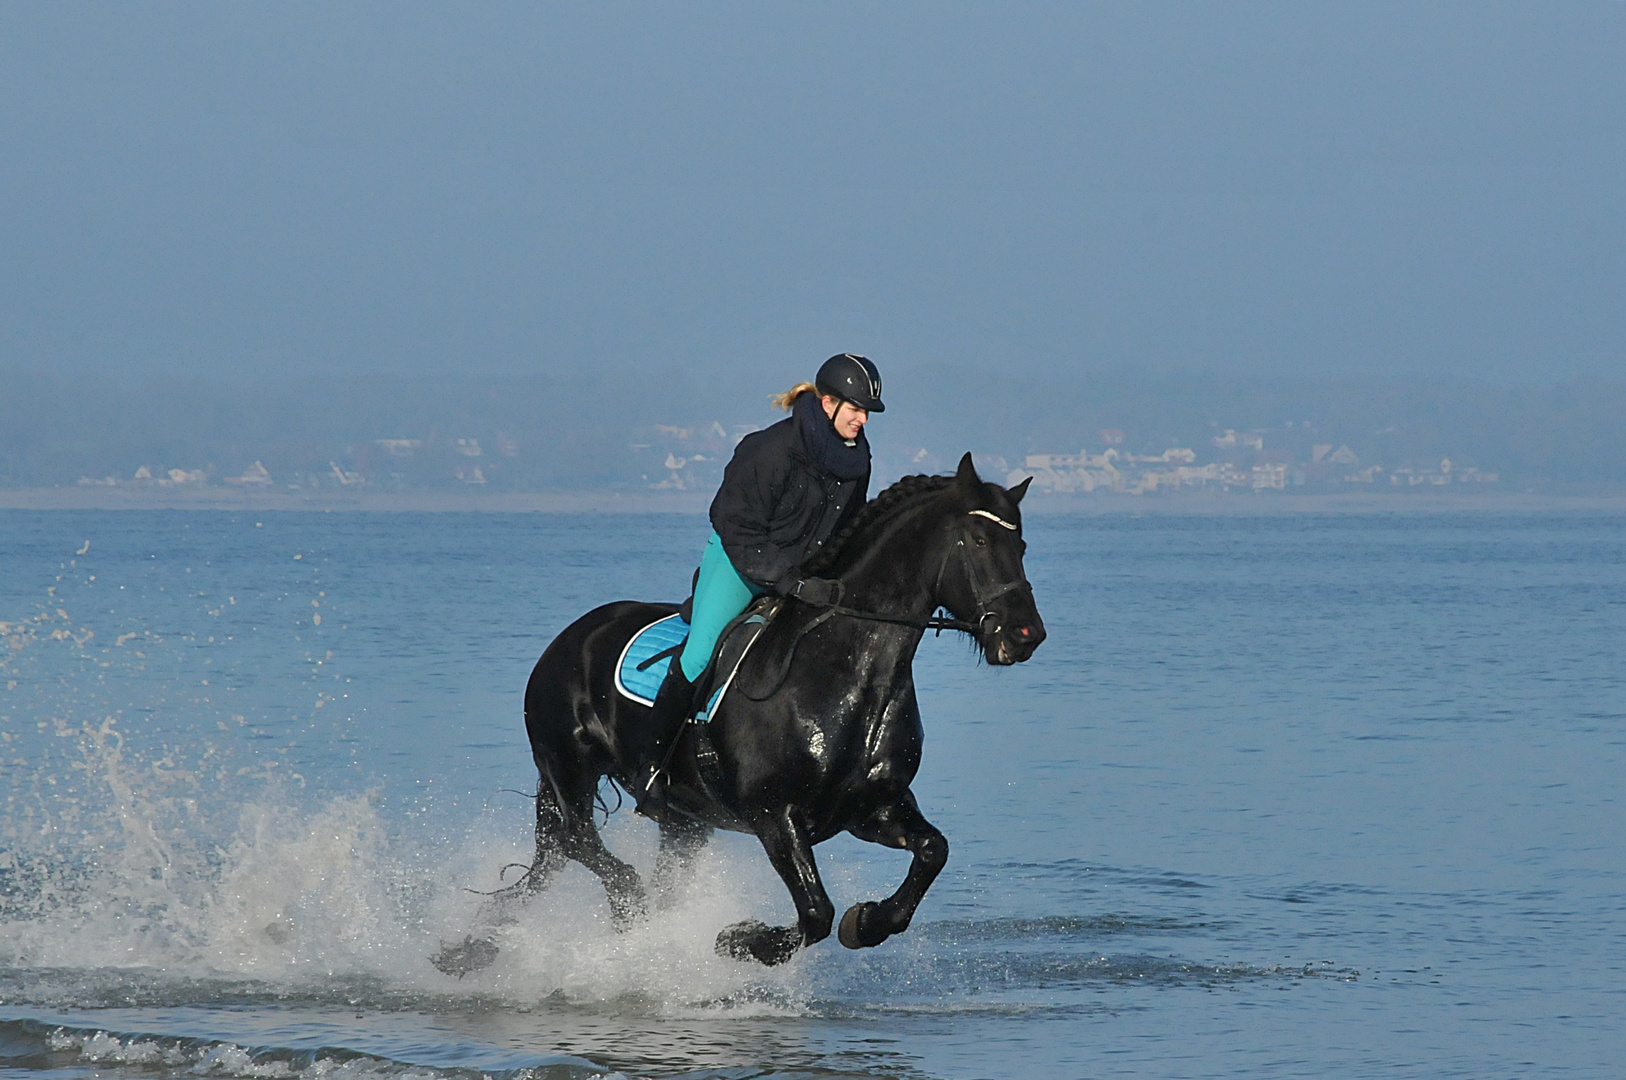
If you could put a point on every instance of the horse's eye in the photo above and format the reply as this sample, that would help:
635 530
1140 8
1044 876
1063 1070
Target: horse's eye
982 541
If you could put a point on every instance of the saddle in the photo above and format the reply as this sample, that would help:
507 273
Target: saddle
639 672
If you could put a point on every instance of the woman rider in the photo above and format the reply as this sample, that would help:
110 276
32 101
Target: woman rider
788 489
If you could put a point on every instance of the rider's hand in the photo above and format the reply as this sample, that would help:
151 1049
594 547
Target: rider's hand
820 592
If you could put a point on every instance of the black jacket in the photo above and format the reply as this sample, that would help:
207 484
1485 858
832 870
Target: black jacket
777 506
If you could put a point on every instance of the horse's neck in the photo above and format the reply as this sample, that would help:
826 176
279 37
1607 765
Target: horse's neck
896 572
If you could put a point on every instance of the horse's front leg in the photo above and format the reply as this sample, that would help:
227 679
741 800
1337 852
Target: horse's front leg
790 851
900 825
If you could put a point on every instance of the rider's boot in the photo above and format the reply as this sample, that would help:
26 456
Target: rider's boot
674 705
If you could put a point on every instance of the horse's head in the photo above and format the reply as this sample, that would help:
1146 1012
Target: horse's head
982 579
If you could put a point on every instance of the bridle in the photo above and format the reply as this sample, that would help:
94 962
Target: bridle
939 623
981 598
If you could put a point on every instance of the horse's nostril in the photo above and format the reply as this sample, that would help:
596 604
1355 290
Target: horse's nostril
1025 632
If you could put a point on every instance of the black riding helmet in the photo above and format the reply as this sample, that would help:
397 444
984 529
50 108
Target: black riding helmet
851 378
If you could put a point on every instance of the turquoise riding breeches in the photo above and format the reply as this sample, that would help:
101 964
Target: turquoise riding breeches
719 595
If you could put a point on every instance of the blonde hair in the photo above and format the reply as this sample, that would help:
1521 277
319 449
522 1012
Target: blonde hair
788 398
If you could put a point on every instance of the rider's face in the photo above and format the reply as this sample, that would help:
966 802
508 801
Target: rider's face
847 418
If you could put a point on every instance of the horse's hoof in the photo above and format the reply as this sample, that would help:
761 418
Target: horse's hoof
753 940
851 932
629 904
473 954
628 914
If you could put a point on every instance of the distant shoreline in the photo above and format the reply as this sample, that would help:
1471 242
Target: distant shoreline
589 502
423 501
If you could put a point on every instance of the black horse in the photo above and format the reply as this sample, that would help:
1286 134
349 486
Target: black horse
819 733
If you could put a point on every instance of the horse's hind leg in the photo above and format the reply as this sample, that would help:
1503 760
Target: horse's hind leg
681 840
565 829
474 953
898 825
550 853
579 839
549 858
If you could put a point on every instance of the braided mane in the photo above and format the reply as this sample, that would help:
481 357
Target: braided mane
907 492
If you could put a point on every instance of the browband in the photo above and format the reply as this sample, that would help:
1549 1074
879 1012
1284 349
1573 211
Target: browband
995 518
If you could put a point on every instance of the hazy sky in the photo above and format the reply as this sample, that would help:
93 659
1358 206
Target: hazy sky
1271 189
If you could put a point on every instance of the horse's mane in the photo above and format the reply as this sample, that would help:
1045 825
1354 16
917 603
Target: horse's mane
905 493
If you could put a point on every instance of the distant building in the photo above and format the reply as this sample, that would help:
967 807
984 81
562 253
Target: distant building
1445 473
1171 455
1268 476
173 478
691 455
1251 439
1082 471
1124 473
343 478
256 475
1325 453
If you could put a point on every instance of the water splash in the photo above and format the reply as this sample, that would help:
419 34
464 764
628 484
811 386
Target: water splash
292 897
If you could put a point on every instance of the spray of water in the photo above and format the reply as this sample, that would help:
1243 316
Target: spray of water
192 860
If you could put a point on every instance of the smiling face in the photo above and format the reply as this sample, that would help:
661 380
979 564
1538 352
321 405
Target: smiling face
847 418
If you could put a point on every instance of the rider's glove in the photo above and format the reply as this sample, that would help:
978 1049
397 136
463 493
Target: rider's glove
820 592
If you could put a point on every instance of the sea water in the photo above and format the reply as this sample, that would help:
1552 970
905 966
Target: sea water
1279 795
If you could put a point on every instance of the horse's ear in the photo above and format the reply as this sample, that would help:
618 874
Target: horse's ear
1019 490
966 475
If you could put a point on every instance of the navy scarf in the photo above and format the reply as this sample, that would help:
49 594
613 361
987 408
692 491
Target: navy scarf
842 459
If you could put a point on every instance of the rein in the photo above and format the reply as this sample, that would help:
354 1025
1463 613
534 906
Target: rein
933 622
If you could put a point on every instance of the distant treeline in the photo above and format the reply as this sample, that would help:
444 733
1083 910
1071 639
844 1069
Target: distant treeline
622 430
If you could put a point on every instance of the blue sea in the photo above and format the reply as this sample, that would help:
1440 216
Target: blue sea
1280 796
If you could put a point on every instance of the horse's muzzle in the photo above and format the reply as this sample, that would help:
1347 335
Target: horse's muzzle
1013 644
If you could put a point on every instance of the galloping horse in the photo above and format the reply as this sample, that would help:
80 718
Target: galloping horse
820 731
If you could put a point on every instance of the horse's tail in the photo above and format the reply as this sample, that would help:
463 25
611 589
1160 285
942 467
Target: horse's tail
572 744
549 723
549 790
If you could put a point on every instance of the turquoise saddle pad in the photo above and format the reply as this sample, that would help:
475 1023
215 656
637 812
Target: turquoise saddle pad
657 637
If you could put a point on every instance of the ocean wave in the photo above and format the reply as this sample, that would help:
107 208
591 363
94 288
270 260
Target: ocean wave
33 1046
1061 927
41 1047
